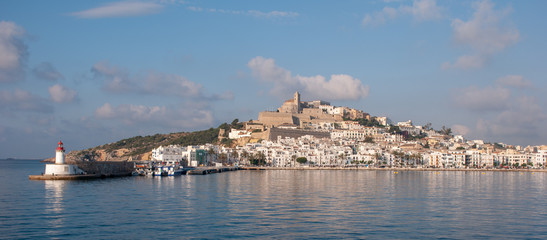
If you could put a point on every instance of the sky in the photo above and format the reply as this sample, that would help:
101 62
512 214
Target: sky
95 72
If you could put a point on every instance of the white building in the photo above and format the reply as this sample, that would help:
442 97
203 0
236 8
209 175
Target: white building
171 154
356 134
405 124
540 158
384 121
235 134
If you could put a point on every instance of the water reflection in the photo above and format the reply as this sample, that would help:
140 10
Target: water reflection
54 196
353 204
303 204
55 205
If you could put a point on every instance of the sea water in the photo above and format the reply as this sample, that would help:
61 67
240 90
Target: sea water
281 204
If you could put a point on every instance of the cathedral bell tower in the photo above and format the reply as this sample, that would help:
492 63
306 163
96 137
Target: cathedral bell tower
297 102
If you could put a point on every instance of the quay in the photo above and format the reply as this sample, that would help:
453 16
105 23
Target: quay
392 169
210 170
74 177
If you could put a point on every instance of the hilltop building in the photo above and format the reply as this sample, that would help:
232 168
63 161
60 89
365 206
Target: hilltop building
297 113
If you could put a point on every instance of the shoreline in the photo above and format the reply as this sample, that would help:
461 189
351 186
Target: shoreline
75 177
395 169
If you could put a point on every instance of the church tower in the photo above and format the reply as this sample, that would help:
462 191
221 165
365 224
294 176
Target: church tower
297 102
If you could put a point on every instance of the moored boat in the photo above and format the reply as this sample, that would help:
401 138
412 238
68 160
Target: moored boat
168 170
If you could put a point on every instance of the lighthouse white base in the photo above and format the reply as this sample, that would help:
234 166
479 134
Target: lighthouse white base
63 169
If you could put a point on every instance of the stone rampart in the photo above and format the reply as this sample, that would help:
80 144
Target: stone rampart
270 119
295 133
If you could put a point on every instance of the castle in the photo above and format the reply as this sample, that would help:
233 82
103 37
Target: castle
299 114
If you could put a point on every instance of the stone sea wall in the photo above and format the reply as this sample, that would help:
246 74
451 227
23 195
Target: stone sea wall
106 168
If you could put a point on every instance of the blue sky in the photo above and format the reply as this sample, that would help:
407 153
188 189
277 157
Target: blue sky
94 72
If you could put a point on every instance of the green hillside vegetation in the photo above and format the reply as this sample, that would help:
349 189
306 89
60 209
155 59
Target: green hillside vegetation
197 138
140 145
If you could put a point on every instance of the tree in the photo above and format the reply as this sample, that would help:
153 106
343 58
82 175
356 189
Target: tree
223 157
234 122
394 130
258 160
236 156
446 131
343 158
427 126
244 155
377 156
417 158
211 152
301 160
224 126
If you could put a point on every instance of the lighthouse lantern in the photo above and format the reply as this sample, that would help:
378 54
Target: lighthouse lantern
60 154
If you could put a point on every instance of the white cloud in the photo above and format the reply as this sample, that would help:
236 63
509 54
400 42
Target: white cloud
522 122
23 101
485 33
271 14
186 116
420 10
61 94
379 18
117 80
46 71
13 52
460 129
120 9
338 87
466 62
485 99
423 10
174 85
253 13
105 111
502 112
514 81
195 9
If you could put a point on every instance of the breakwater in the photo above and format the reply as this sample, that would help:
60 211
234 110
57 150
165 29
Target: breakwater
106 168
209 170
393 169
92 170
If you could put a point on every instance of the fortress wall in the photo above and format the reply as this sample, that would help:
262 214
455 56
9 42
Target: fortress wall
275 118
295 133
316 113
261 135
313 111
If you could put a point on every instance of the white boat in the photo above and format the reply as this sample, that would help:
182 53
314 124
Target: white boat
168 170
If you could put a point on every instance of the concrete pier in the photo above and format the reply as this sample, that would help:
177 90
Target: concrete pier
391 169
91 170
64 177
210 170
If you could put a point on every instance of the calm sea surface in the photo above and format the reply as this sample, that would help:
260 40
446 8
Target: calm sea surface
275 204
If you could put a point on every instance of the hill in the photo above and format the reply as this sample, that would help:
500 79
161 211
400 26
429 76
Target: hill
139 147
